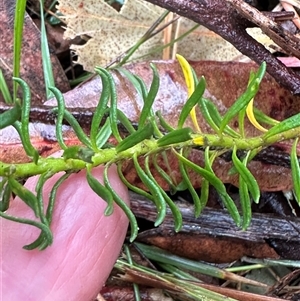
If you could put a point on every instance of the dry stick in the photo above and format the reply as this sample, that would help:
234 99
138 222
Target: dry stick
229 19
267 236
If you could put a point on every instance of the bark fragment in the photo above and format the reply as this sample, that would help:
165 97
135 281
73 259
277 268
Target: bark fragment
229 19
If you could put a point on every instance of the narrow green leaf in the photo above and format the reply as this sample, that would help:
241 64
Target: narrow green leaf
285 125
39 195
113 110
145 133
18 36
5 194
241 121
100 190
41 242
245 98
103 134
118 200
50 208
158 198
295 171
5 90
60 116
156 131
76 127
137 293
176 136
9 117
143 91
246 175
25 137
125 122
24 194
164 123
133 187
204 192
191 102
160 255
46 59
149 100
174 209
245 202
190 187
42 227
137 82
206 111
164 175
263 118
101 106
52 196
109 85
213 117
45 239
195 78
219 186
205 183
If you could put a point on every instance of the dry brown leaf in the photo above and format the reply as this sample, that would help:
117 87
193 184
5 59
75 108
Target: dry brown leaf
115 32
31 58
204 44
262 38
112 32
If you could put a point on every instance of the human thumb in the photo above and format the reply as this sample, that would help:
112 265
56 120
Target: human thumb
85 247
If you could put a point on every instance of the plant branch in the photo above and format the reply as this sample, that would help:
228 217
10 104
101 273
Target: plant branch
103 156
229 19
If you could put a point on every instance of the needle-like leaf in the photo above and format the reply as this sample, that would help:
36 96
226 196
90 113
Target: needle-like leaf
121 204
295 171
285 125
101 190
245 98
219 186
148 101
246 175
158 198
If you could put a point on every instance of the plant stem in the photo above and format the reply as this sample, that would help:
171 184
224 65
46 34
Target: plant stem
104 156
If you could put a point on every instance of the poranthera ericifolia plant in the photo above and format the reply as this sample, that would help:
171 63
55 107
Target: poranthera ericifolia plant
152 136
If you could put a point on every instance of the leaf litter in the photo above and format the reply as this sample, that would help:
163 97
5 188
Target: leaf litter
112 33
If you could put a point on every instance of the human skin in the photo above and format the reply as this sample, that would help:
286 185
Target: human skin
85 247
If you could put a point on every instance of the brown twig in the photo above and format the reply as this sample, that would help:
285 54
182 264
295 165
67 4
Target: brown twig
229 19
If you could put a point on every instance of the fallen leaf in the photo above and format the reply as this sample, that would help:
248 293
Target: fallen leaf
31 59
112 32
204 44
263 39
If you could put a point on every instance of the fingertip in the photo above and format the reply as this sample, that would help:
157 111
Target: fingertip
85 248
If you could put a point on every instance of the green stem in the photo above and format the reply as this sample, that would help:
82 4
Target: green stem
142 148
